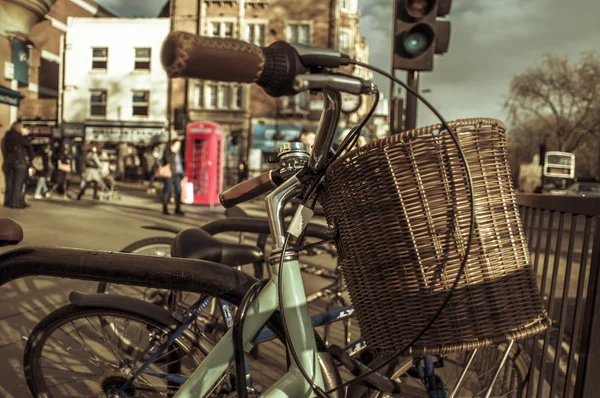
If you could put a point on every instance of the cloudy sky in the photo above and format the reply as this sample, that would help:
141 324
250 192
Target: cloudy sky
491 41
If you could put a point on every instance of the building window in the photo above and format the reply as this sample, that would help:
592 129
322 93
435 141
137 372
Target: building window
239 97
199 95
296 104
221 29
225 97
212 95
297 32
221 96
255 33
100 58
98 103
142 58
345 5
344 42
48 79
140 103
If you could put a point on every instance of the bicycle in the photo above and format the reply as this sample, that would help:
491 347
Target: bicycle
257 302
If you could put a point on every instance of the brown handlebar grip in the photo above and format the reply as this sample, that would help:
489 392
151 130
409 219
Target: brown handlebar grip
210 58
247 190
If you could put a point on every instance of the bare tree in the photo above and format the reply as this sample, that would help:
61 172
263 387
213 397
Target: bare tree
559 97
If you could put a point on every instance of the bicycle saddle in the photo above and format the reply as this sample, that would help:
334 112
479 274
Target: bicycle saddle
11 232
198 244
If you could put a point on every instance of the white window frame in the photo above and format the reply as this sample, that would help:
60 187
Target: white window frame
98 91
142 59
290 104
202 96
100 58
221 21
291 23
145 104
255 24
351 42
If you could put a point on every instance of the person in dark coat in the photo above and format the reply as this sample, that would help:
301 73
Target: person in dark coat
172 157
62 162
18 155
44 172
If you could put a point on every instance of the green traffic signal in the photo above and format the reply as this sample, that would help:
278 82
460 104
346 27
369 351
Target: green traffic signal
415 43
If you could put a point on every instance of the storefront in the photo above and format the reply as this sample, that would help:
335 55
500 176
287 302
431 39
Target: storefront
134 135
42 132
264 144
129 147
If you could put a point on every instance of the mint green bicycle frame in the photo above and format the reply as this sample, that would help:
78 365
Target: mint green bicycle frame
301 333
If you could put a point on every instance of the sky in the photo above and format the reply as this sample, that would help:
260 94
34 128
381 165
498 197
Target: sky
491 42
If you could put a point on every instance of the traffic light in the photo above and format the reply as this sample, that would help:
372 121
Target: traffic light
419 34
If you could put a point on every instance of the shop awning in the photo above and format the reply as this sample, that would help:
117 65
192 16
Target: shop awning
10 97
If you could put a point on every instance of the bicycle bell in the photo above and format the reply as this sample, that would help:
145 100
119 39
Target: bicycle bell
293 155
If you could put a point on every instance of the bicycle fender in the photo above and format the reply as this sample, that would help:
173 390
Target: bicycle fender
122 303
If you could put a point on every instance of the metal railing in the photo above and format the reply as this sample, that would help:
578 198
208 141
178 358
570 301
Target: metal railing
563 234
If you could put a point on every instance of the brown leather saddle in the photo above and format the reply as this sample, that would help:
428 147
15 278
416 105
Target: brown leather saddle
11 233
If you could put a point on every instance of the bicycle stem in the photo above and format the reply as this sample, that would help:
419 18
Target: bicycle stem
278 199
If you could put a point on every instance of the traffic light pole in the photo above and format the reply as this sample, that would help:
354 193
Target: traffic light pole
412 80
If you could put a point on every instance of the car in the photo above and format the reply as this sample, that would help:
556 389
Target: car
587 189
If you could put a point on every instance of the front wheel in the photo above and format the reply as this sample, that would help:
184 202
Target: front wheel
77 352
511 381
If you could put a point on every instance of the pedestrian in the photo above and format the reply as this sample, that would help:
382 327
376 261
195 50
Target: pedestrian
62 169
172 157
155 165
43 166
306 137
18 155
92 173
242 170
362 141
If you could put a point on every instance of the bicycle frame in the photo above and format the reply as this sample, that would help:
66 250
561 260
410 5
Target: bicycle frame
301 335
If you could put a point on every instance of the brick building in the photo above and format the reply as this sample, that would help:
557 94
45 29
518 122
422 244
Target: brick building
31 33
246 110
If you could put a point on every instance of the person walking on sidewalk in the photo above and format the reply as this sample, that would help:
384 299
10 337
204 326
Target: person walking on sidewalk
18 155
60 177
92 173
173 158
43 167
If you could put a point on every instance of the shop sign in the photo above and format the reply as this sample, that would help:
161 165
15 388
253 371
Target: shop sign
10 97
126 134
73 129
36 129
20 61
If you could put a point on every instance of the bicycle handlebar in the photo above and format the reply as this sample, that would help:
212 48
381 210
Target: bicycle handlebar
230 60
250 189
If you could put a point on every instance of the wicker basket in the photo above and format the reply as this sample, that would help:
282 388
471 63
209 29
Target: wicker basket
402 212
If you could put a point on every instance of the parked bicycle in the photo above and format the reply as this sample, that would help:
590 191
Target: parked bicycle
284 69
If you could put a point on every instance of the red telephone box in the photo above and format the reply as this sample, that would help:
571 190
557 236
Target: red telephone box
204 161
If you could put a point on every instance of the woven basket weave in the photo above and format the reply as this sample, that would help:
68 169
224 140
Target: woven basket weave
402 212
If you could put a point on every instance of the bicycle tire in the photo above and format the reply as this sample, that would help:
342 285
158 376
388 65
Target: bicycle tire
136 247
59 319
